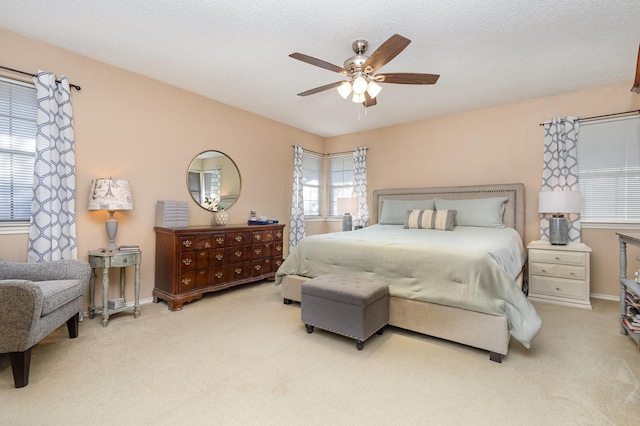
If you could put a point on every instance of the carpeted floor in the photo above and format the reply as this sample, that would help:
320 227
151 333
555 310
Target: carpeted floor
243 357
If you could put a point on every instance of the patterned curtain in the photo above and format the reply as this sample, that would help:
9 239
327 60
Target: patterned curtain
360 185
52 229
296 228
560 168
215 183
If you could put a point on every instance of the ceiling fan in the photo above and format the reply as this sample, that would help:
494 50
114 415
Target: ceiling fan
360 71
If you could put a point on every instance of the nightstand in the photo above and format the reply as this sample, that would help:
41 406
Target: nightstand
113 259
559 273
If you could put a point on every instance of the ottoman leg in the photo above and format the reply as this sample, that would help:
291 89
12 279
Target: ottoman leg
359 344
379 332
309 328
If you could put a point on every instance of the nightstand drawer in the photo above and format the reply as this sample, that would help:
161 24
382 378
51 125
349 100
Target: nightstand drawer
557 270
559 287
551 256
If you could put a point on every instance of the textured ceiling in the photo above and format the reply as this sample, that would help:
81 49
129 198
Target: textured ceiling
488 52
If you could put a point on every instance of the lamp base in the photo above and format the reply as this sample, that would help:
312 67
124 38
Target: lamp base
347 222
558 230
112 229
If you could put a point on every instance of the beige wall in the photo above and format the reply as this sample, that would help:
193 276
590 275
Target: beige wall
493 145
131 127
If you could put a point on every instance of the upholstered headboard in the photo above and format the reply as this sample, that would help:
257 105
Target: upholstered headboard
513 212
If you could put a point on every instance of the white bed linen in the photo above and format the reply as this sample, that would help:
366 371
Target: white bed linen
470 267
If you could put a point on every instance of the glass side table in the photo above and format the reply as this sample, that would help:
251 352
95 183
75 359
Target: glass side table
113 259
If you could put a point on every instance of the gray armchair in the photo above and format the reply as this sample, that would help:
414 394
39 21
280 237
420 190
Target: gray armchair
35 300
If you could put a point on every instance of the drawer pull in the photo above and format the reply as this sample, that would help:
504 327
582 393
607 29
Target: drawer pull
278 262
125 260
278 234
258 237
207 245
557 257
238 253
278 248
203 253
219 240
202 273
218 274
557 288
257 251
187 243
238 271
571 273
219 256
543 270
186 281
238 238
258 267
187 262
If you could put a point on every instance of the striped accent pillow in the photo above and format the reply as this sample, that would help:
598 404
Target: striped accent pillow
430 219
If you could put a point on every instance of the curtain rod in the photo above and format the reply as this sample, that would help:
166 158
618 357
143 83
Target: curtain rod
333 153
78 88
595 117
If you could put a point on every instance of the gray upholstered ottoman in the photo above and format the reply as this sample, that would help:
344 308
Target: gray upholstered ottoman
345 305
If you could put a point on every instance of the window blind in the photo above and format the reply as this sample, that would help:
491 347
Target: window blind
609 170
17 149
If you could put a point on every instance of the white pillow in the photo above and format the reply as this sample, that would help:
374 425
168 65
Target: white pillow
484 212
394 212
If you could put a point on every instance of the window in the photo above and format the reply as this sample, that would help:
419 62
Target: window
340 180
609 170
312 179
17 150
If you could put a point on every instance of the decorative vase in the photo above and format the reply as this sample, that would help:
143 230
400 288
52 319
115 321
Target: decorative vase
221 217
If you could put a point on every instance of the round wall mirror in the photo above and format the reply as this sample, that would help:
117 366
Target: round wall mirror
213 180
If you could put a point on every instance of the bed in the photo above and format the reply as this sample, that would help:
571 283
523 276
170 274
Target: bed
461 283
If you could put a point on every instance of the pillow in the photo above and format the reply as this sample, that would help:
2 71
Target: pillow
485 212
442 220
394 212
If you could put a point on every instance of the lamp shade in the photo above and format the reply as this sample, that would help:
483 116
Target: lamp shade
347 205
559 202
110 194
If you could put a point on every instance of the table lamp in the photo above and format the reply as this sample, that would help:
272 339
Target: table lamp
110 195
558 203
347 206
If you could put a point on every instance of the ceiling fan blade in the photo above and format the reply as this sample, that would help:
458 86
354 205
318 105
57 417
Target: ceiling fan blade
321 88
386 52
318 62
368 100
407 78
636 83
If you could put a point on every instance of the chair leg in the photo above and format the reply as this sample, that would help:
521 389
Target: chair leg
20 362
72 325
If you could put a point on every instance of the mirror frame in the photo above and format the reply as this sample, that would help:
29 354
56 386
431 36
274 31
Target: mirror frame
227 207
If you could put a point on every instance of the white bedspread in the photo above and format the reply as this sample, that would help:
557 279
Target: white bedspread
470 267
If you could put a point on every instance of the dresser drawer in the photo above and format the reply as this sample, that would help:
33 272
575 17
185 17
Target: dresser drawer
557 270
237 238
558 287
553 256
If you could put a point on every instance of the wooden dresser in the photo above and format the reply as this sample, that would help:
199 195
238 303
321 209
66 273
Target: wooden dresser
196 260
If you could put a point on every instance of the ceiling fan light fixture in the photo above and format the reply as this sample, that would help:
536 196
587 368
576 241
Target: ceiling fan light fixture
373 89
359 85
358 98
344 89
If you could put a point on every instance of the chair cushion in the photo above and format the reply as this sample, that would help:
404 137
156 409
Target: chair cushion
56 293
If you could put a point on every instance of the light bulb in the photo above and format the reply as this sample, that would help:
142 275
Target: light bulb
358 98
359 85
373 89
344 89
